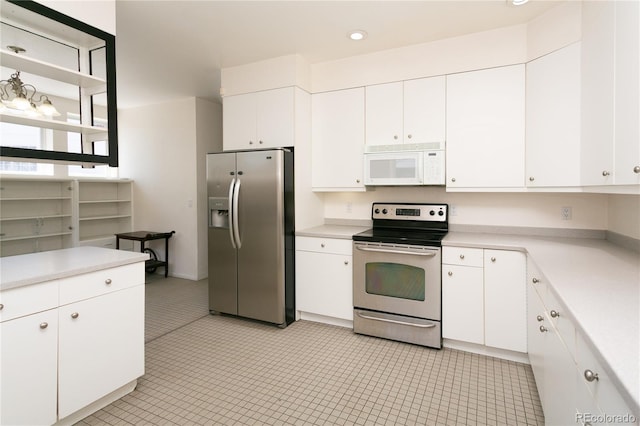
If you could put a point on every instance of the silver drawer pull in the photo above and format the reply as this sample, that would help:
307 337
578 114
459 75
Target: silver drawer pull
535 280
44 325
396 321
542 329
396 251
590 376
107 281
1 306
462 256
554 314
75 315
540 318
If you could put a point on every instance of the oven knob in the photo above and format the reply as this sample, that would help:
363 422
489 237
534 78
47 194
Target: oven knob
384 211
376 211
440 213
432 213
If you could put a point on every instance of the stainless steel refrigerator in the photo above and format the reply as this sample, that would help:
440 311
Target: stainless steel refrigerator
251 235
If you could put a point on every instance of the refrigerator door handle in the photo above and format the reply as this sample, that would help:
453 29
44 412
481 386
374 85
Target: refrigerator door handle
236 222
232 224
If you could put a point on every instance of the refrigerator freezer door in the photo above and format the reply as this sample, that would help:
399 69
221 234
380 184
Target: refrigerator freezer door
223 272
261 268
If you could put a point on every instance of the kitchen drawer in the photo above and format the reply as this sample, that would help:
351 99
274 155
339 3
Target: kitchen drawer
21 301
324 245
536 280
463 256
100 282
558 317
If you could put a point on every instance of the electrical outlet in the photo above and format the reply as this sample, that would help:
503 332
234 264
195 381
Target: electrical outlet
349 207
565 213
453 210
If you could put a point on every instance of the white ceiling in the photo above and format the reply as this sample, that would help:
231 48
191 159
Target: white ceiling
175 49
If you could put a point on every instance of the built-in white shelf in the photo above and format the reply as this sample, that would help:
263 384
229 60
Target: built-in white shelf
54 216
95 133
105 217
34 66
35 236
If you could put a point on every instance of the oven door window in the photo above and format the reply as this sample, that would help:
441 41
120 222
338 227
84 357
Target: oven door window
395 280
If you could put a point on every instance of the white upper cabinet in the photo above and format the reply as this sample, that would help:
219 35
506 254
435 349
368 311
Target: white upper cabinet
553 119
337 140
610 93
412 111
627 95
485 128
259 120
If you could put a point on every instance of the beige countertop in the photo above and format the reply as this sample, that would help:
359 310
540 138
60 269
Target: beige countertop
332 231
599 285
33 268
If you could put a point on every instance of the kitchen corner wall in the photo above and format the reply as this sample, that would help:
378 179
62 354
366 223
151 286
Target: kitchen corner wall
162 148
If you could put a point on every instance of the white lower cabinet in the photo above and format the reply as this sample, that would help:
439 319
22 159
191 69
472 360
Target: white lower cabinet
564 366
68 343
101 347
324 277
484 297
28 369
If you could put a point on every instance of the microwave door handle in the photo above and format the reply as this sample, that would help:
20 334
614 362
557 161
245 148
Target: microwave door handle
396 251
231 211
236 222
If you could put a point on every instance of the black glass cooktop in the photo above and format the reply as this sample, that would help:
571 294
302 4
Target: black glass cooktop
402 236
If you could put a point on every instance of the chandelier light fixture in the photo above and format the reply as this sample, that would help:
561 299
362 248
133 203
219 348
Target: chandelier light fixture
23 97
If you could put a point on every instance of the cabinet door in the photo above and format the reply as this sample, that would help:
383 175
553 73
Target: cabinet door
597 90
28 367
324 284
384 114
337 140
424 110
275 112
101 347
627 101
239 122
485 128
462 303
505 300
553 119
559 381
536 338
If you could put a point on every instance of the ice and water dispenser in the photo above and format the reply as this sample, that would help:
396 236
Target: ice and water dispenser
219 212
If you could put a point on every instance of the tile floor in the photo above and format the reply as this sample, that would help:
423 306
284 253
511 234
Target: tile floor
211 370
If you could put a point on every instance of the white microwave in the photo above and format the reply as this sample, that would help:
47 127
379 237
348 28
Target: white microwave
404 167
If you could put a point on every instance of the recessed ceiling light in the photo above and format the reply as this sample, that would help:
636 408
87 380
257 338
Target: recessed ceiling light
357 35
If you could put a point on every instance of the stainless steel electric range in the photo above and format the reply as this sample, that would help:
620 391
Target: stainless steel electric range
397 282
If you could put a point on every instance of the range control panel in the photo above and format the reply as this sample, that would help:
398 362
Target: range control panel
408 211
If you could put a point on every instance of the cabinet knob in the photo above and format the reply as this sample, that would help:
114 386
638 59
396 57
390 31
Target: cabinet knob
409 136
636 169
543 329
395 137
453 179
250 142
260 142
540 318
493 259
44 325
605 173
554 314
450 273
1 306
590 376
462 256
107 281
322 245
75 315
357 180
346 262
531 178
535 280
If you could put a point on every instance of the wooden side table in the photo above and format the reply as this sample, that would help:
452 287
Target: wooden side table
144 236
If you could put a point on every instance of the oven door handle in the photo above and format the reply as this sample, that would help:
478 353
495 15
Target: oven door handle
395 321
396 251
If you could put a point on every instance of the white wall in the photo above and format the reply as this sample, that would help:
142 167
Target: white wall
98 13
160 150
624 215
492 209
